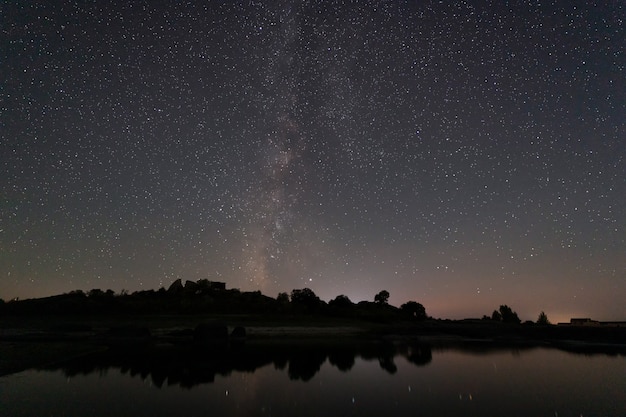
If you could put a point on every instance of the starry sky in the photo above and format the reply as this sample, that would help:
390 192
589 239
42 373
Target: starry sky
460 154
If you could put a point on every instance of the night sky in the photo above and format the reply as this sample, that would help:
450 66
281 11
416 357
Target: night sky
460 155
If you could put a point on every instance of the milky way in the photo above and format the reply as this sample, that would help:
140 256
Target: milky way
462 155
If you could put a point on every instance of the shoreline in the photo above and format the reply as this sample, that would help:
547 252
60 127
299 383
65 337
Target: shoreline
40 342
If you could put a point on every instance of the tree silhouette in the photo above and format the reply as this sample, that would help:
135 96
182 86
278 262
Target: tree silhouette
305 297
508 315
496 316
414 309
543 319
341 301
283 298
95 293
382 297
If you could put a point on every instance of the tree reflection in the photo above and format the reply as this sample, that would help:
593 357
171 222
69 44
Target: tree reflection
304 365
191 365
342 358
419 355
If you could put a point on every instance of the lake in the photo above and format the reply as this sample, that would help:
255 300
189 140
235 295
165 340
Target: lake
418 379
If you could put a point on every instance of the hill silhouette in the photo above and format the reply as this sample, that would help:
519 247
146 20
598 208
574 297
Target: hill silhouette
195 301
210 297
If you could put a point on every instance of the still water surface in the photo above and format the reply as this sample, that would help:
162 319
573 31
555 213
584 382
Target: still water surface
409 381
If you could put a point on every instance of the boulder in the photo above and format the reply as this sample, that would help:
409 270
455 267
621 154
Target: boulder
191 287
176 286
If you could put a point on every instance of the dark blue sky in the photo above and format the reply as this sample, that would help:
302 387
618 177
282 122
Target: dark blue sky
461 155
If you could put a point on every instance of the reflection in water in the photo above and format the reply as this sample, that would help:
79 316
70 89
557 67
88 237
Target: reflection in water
276 379
190 365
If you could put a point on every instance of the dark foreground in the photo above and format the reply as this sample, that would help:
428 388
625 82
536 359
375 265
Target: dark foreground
229 342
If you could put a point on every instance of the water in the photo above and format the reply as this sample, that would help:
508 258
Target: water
303 380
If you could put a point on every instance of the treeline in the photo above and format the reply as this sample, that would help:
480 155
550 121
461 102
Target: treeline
506 315
207 297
